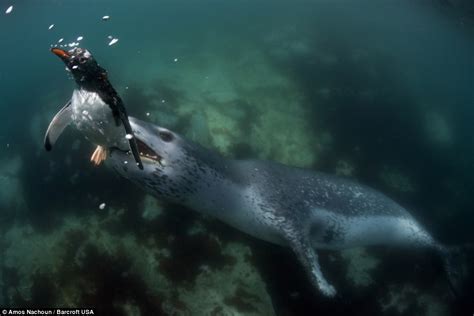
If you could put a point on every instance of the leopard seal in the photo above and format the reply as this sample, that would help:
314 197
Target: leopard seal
293 207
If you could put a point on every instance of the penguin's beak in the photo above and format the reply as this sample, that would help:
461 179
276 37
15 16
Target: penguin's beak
60 53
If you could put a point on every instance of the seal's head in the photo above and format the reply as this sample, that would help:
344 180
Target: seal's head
86 71
162 154
174 168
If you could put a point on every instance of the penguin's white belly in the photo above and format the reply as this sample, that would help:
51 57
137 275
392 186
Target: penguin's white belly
93 117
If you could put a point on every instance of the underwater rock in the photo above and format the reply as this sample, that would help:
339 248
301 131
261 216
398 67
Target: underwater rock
288 43
151 208
165 119
238 103
11 196
292 146
399 298
2 298
198 129
130 308
82 257
28 255
344 168
432 305
232 290
359 266
224 129
407 299
197 228
396 180
438 130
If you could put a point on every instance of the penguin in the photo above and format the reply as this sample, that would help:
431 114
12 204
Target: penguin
95 108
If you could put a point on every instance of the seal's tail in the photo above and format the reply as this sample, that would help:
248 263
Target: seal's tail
457 263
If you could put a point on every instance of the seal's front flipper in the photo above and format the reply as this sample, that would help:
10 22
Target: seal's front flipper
308 257
57 126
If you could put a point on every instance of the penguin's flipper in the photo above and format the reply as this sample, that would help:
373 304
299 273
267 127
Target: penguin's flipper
59 122
131 140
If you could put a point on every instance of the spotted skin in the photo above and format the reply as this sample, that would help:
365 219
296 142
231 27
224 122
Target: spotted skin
293 207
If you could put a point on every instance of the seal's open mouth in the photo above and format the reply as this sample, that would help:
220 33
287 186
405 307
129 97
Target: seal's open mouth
146 152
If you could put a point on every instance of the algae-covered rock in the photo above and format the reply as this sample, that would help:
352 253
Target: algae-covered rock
345 168
232 290
438 129
403 298
29 253
151 208
82 255
11 194
399 298
359 266
237 103
2 285
396 180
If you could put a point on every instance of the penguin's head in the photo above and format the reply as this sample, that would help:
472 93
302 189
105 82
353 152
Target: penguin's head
86 71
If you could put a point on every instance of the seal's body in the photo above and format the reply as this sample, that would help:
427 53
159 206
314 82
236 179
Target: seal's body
298 208
336 212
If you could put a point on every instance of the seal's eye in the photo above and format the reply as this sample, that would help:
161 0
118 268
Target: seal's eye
166 136
82 60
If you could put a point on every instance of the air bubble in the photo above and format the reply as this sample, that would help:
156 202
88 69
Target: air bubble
113 41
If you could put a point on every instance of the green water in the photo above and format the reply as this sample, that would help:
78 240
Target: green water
379 91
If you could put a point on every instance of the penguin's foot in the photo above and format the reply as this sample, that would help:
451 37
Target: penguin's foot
99 155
